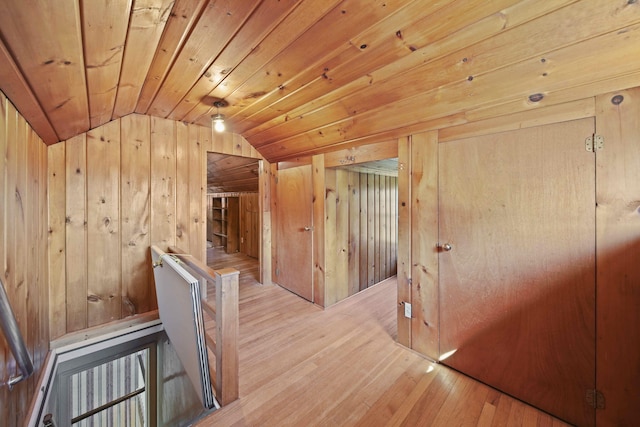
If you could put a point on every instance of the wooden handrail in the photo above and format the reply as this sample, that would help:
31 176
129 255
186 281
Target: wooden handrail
227 324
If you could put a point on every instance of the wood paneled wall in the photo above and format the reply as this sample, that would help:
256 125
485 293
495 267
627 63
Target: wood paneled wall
114 191
360 231
250 224
246 224
23 252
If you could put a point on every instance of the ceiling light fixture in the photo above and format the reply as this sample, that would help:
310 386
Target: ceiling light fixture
218 119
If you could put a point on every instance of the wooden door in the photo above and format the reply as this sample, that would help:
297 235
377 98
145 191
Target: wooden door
618 236
293 231
517 287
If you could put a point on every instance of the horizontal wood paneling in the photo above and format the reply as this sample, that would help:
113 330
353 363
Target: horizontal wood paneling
23 263
131 183
361 231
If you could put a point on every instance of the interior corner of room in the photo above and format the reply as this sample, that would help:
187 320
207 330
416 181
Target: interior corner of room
412 205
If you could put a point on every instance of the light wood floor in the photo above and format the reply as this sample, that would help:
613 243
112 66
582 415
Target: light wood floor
304 366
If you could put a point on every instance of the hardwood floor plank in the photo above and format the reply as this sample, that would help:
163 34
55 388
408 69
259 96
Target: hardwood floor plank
486 416
301 365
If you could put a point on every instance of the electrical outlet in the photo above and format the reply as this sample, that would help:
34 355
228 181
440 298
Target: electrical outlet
407 310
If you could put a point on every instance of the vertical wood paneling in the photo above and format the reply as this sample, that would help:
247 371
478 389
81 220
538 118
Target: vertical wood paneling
163 183
57 241
182 187
230 143
22 244
264 182
135 213
18 204
103 224
32 215
249 224
371 230
618 249
237 145
319 236
76 233
233 213
43 271
383 238
196 194
424 231
342 235
273 181
359 242
226 143
331 245
354 233
204 136
377 229
118 189
404 239
363 232
243 219
393 226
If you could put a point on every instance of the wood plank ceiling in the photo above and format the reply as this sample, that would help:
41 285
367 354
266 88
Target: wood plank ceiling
309 76
231 174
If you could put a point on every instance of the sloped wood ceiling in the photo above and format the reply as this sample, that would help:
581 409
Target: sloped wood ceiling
231 174
307 76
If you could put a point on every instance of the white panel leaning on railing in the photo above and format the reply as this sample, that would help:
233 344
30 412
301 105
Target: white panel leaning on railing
225 313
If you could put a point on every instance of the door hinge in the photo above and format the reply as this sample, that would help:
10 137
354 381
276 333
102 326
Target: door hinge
595 399
594 143
277 272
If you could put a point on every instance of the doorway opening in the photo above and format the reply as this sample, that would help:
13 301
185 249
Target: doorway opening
367 224
233 211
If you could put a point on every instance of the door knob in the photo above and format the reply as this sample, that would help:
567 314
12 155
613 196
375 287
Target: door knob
445 247
308 229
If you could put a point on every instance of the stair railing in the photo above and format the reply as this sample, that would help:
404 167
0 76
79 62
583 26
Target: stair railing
14 338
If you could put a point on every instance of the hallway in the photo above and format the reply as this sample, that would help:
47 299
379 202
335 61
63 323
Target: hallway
301 366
